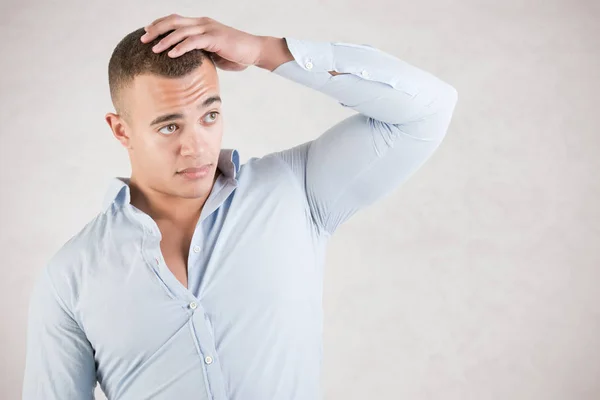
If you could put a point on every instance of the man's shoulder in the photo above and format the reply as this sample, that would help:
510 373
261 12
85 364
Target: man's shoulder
71 257
273 167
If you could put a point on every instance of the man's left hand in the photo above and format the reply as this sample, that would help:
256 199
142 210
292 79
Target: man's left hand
233 50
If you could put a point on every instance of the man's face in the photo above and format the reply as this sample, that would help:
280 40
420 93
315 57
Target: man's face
170 127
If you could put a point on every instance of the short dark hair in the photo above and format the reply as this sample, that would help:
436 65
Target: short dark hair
132 57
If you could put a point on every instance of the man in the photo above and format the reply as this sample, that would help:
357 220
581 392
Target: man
202 278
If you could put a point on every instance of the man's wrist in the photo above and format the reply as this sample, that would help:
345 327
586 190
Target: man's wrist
274 52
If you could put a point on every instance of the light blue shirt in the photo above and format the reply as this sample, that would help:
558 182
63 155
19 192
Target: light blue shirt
107 308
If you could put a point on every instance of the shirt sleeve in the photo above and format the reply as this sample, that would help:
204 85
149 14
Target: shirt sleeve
59 362
403 115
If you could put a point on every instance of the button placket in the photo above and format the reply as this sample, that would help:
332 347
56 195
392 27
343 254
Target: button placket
206 345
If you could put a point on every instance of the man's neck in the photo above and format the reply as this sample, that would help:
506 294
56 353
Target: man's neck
164 208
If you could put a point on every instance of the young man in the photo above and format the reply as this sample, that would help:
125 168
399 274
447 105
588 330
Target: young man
202 278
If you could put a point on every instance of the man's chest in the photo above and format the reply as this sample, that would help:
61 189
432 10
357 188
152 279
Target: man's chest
174 249
239 271
254 276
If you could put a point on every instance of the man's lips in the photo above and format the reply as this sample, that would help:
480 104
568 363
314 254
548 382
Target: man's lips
195 169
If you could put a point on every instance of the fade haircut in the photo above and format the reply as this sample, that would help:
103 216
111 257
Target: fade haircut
131 57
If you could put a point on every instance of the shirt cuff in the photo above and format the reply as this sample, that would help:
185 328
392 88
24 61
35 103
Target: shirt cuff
311 65
314 59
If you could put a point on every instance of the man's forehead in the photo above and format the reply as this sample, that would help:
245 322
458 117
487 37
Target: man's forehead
188 84
159 92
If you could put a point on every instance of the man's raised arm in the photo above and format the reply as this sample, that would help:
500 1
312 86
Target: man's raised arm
403 111
403 115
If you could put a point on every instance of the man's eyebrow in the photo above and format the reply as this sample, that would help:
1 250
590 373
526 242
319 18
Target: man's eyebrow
210 100
165 118
168 117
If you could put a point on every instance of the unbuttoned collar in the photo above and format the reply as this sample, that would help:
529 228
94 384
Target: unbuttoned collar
118 191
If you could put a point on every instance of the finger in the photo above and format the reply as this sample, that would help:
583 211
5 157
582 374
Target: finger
171 22
147 37
189 44
177 36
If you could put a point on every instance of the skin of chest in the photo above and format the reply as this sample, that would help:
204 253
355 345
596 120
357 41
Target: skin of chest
175 247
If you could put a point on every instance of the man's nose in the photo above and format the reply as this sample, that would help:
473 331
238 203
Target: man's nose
193 143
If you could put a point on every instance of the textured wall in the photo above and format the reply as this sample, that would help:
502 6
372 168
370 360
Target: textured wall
476 280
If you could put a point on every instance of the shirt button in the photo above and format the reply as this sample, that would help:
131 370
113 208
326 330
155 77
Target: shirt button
193 305
364 73
208 359
196 249
308 64
157 261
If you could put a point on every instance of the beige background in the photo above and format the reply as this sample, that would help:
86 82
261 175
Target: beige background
476 280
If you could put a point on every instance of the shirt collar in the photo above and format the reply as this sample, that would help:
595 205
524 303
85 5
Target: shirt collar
118 190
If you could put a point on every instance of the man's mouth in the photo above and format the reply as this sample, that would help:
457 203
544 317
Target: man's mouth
195 172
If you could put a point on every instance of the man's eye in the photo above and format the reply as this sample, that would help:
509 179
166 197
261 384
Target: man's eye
169 131
215 115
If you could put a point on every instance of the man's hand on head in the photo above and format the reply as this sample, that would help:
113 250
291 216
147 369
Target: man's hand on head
232 49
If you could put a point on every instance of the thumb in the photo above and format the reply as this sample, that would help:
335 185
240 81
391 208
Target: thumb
227 65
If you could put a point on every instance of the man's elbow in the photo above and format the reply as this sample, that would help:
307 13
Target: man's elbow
447 98
432 123
453 95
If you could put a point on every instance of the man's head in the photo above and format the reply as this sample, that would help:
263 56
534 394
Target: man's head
166 114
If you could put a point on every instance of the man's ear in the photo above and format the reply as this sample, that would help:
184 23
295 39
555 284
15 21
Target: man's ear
119 128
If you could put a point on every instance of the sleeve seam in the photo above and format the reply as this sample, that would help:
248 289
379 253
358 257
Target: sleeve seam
59 299
321 229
